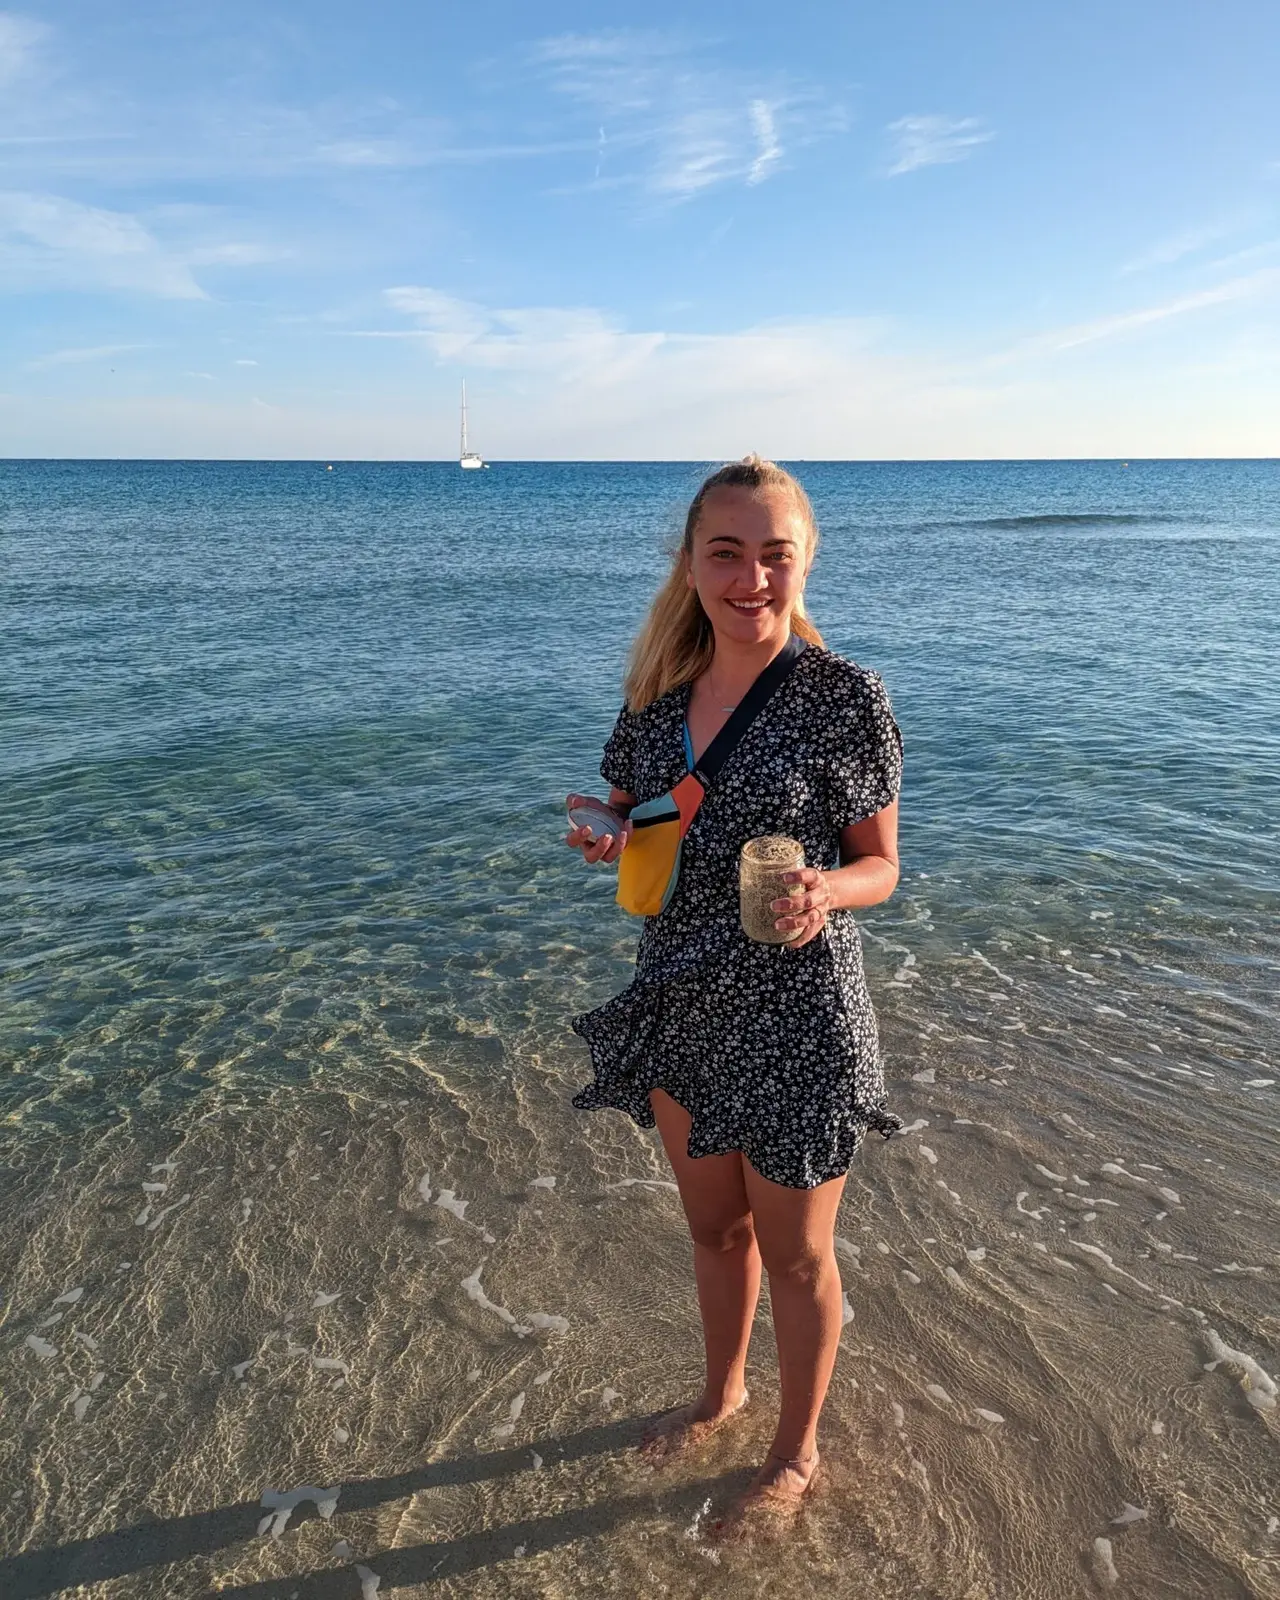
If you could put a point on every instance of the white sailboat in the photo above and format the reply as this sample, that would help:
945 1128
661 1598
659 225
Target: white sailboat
468 460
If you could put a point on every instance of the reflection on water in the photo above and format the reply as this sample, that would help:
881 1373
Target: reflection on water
293 1199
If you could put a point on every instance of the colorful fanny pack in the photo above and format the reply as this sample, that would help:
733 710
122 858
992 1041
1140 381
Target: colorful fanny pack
650 865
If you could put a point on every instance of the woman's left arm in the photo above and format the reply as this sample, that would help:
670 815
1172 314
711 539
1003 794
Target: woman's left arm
868 874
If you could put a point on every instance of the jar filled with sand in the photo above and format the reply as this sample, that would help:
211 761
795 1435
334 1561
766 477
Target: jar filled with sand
760 872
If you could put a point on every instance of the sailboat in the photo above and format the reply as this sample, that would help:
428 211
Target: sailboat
468 460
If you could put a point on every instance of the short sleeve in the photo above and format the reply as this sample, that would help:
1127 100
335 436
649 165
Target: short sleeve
618 765
865 765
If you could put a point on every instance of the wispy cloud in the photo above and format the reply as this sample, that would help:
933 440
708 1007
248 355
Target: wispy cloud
46 240
20 38
366 153
578 379
768 147
934 141
1175 247
405 153
560 378
1252 286
235 253
72 357
570 343
61 123
1237 258
676 127
662 120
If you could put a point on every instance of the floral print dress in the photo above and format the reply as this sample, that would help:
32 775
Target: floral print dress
772 1051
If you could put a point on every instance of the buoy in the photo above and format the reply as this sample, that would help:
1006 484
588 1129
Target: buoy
330 469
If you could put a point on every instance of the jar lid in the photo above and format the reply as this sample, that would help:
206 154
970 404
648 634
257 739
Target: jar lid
773 850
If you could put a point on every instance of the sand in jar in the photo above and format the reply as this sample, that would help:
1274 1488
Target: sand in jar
761 866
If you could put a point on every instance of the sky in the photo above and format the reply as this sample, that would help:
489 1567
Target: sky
816 230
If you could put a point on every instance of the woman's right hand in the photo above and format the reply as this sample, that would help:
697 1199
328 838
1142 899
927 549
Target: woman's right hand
606 849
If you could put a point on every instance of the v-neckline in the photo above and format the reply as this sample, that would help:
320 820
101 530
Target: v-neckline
688 699
687 733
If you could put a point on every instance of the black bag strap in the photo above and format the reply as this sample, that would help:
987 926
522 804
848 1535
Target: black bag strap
747 710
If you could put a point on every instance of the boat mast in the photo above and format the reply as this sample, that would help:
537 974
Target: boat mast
464 416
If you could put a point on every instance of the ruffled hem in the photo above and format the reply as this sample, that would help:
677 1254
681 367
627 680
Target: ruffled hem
617 1087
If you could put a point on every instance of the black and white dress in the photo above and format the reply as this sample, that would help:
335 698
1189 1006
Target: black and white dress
772 1051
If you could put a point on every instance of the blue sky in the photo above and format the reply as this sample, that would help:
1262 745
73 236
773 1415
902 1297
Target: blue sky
813 230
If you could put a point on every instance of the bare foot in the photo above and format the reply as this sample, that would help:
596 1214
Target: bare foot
771 1505
677 1431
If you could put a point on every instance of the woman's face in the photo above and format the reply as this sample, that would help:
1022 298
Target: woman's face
749 562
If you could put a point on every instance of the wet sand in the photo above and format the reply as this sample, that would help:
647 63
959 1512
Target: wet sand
449 1303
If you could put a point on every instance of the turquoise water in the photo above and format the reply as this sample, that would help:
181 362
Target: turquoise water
347 706
283 754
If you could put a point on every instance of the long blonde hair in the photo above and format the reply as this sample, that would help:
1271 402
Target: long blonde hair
676 641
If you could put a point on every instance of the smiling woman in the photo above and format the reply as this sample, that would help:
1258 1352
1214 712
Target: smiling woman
759 1062
741 502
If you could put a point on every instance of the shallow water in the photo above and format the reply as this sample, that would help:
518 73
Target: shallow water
292 939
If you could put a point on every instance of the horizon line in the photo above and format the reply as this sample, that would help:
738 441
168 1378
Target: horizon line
603 461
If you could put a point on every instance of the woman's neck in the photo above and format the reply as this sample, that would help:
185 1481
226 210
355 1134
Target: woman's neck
735 666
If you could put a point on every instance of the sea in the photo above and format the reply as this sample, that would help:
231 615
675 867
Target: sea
315 1285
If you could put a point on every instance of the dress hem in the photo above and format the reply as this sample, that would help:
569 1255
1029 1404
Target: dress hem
630 1096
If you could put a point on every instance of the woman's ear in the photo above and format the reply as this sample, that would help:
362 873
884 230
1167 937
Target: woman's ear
688 570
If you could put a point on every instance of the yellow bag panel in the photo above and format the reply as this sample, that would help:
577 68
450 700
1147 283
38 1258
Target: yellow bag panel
646 868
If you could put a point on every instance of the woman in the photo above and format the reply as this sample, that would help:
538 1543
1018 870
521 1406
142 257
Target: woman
759 1063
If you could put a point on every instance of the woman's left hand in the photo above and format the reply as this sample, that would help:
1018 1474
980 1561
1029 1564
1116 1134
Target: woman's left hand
808 906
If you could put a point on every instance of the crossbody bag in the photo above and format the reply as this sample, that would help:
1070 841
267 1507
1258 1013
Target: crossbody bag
649 867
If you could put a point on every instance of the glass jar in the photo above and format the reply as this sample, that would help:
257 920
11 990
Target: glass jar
760 869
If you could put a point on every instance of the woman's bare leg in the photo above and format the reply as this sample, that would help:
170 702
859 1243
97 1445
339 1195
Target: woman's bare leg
795 1233
726 1265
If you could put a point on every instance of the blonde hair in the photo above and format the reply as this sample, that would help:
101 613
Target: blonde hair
676 641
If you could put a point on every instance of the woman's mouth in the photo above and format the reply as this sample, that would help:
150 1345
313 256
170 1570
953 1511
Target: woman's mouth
749 605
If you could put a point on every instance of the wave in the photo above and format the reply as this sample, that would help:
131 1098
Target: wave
1069 519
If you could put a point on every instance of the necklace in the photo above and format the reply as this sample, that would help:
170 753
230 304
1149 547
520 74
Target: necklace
711 686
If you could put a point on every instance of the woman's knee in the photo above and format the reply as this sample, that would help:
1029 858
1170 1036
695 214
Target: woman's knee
723 1236
804 1266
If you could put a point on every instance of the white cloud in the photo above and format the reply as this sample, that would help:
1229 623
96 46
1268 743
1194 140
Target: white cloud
576 381
1174 248
568 344
234 254
450 325
366 153
20 37
1237 258
670 126
934 141
768 149
1252 286
96 352
46 240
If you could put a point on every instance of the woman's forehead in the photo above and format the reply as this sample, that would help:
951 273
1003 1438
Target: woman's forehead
746 514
